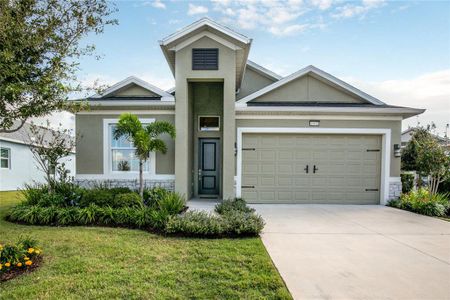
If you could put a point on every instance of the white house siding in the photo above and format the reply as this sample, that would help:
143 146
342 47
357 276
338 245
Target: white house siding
23 168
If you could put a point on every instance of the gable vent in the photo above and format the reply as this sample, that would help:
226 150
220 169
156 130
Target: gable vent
205 59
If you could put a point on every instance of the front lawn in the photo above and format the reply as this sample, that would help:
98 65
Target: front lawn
96 262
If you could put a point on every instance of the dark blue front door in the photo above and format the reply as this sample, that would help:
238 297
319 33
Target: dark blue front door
209 167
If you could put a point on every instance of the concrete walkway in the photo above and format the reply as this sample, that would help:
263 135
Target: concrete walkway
358 252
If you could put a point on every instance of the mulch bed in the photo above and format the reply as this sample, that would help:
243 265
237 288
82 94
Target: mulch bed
15 272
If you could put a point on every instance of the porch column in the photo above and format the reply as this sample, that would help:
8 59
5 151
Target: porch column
229 124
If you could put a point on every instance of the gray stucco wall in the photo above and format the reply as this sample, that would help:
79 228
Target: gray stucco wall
308 88
184 142
395 127
89 129
252 82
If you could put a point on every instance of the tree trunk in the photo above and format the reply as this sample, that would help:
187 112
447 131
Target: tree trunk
141 179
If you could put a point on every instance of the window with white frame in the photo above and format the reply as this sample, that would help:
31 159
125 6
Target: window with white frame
122 154
5 158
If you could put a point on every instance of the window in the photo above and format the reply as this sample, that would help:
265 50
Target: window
205 59
5 158
209 123
123 157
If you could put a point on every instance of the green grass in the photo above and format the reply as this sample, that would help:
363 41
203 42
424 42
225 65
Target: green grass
100 263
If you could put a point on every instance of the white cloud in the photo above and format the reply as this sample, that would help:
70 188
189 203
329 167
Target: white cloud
288 30
322 4
158 4
353 10
430 91
197 9
284 18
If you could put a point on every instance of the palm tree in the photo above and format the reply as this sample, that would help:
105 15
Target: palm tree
146 139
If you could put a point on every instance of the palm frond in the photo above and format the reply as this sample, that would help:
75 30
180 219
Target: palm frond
158 145
157 128
128 124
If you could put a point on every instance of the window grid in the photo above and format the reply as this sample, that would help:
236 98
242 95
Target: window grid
5 158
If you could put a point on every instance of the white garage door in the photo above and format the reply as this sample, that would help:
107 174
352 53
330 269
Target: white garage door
301 168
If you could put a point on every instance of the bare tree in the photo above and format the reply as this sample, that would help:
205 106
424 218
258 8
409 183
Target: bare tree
48 148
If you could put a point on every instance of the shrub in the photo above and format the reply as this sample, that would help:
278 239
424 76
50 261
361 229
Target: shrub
51 200
195 223
99 197
154 195
407 182
422 202
236 204
18 256
129 199
119 190
199 223
71 193
33 193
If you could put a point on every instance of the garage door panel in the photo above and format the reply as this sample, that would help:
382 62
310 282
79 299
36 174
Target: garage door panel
345 169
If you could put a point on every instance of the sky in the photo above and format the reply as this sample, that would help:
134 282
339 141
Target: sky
396 51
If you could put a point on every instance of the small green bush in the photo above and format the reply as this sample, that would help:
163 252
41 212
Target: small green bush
51 200
231 205
33 193
199 223
407 182
422 202
154 195
129 199
99 197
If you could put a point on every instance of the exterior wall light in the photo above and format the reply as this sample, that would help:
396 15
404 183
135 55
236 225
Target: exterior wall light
397 152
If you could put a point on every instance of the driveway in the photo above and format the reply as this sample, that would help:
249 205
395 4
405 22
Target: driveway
358 252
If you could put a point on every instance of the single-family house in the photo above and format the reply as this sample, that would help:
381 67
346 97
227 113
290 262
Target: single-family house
244 131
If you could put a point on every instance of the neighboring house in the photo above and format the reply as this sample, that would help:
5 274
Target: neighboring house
244 131
408 133
17 163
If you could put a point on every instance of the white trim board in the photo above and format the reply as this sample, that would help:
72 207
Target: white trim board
303 72
385 152
101 102
134 80
107 170
128 175
204 22
119 112
263 71
316 117
200 35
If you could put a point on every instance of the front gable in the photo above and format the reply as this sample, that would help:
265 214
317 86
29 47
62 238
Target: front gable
311 90
309 85
134 90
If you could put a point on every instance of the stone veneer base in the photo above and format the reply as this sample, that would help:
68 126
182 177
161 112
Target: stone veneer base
395 189
133 184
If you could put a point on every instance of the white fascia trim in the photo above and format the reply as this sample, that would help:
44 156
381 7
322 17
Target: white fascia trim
202 22
107 166
263 71
132 103
317 72
316 117
13 141
385 152
127 175
171 90
315 109
210 35
139 82
119 112
395 179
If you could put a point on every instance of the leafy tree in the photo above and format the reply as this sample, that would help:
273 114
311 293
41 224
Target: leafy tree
48 148
40 45
146 139
425 155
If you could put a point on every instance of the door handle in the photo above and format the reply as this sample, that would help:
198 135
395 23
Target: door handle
306 169
199 174
315 169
